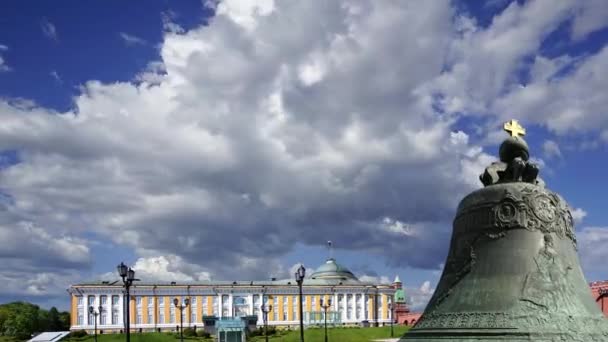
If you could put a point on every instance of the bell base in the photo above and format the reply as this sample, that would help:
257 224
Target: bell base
493 335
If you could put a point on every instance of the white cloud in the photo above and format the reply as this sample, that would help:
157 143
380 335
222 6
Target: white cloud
578 214
131 40
55 75
418 297
3 66
591 15
164 268
551 149
245 12
592 250
290 122
49 29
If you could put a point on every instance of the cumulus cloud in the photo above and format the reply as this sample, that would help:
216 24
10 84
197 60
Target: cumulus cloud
418 297
285 122
592 246
578 214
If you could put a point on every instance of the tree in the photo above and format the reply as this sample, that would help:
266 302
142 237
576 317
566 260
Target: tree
64 319
54 320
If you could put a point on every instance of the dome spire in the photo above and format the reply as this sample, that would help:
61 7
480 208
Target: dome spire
330 251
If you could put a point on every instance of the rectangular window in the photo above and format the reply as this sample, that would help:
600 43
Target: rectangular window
91 319
102 320
349 306
314 302
91 301
161 301
161 317
172 317
284 314
193 301
150 301
139 317
193 317
366 308
225 306
104 300
80 300
215 305
204 305
114 316
138 300
150 315
80 319
114 300
295 308
275 314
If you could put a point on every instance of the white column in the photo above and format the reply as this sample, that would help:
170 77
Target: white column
230 306
250 304
354 307
120 321
344 307
220 304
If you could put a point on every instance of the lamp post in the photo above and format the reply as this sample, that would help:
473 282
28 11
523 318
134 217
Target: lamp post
181 308
390 311
300 274
95 314
128 277
265 310
325 307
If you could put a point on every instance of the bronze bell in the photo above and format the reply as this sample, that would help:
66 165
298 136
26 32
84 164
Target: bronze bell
512 272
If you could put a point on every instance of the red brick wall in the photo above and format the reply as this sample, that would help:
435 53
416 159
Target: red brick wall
597 288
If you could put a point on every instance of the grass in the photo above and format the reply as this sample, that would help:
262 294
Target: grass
337 334
310 335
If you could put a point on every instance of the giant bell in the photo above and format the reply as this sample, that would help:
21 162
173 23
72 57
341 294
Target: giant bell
512 272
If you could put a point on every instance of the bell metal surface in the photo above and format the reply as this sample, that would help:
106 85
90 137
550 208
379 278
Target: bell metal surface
512 272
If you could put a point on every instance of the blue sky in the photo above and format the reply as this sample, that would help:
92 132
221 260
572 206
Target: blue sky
231 140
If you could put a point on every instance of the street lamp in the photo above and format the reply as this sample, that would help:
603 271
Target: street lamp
390 310
128 277
265 310
181 308
300 274
325 307
95 314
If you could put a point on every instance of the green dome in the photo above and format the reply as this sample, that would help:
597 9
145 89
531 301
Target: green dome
332 270
399 296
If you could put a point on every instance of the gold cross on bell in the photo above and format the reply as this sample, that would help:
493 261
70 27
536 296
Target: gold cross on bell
514 128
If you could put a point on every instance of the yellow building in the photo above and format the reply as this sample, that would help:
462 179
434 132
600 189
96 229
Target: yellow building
151 309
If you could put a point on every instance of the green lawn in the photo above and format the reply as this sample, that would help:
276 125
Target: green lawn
338 334
310 335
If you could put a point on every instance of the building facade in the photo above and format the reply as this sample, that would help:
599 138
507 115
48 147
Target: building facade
402 312
599 291
353 302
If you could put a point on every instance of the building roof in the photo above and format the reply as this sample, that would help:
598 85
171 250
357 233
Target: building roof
397 280
50 336
331 270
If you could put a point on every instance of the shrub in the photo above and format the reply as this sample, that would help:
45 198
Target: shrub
189 332
78 333
203 333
